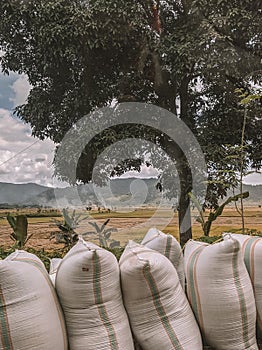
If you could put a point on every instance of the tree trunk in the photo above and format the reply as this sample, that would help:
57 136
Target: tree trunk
184 216
185 224
185 180
167 97
185 177
242 160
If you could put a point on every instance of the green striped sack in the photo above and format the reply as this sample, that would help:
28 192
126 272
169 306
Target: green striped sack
252 253
159 313
88 286
221 295
30 314
168 246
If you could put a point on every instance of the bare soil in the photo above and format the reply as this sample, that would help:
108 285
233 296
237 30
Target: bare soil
130 225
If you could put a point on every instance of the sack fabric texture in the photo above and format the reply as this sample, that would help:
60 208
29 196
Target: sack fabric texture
252 254
54 263
159 313
168 246
221 295
30 314
88 286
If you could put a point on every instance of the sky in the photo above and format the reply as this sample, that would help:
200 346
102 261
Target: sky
25 159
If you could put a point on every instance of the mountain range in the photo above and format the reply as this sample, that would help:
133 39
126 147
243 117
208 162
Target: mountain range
125 192
119 192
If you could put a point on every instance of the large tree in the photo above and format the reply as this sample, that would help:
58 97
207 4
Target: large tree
185 56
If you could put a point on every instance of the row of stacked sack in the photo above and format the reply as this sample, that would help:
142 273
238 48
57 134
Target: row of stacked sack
89 301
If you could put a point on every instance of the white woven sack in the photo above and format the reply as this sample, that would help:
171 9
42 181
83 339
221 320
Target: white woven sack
159 313
54 263
168 246
22 255
220 292
88 285
30 314
252 253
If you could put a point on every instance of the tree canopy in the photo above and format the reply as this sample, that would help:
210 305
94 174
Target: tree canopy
187 56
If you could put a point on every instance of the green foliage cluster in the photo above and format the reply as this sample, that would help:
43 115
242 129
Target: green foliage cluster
117 251
43 254
46 255
209 240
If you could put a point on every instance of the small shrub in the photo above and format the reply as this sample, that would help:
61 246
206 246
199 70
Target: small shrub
118 251
103 235
68 236
208 239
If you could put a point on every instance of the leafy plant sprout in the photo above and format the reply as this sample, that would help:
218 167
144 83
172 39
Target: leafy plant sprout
19 225
68 235
103 235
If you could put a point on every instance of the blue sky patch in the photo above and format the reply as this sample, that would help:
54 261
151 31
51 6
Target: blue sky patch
6 91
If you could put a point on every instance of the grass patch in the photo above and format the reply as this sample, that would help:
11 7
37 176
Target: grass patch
44 215
42 254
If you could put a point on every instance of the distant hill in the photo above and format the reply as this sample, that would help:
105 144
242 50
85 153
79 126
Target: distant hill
120 192
19 193
255 193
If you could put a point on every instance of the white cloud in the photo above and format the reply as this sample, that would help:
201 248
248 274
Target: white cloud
146 172
24 158
21 88
253 179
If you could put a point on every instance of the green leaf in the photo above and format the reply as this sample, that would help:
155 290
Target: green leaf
12 221
114 244
104 224
107 235
94 224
